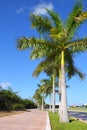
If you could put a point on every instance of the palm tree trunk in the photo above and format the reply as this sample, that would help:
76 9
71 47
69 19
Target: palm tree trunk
53 98
63 108
42 107
59 92
50 102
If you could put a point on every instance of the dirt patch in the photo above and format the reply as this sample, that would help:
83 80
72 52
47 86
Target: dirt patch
2 114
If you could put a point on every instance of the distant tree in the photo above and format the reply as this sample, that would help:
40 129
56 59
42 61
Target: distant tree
38 98
29 104
7 99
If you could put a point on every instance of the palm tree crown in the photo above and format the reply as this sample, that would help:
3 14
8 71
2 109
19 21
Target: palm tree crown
58 41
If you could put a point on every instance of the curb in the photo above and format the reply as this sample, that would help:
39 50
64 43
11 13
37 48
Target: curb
48 127
79 119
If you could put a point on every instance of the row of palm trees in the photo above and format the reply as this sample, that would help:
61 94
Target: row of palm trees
57 47
44 90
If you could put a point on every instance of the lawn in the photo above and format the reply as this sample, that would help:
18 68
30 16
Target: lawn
72 125
82 109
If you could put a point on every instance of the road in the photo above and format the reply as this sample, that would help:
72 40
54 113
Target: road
78 115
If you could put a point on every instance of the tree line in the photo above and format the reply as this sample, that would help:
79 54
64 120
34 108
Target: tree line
11 101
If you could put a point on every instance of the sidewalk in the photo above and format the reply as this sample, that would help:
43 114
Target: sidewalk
33 120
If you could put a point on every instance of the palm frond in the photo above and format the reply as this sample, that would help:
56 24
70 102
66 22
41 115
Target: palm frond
82 17
38 52
41 67
75 71
55 18
71 23
43 48
79 45
71 69
55 33
22 43
79 73
42 24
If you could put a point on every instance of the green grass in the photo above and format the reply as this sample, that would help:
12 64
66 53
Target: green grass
82 109
72 125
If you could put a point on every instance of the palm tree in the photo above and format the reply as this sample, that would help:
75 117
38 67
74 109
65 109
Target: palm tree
50 65
42 93
50 85
58 41
46 66
44 89
47 83
38 98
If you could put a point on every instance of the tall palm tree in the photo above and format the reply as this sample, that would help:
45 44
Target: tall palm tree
42 93
50 87
49 69
58 40
44 89
38 98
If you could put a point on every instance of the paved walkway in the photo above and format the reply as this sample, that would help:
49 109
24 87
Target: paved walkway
33 120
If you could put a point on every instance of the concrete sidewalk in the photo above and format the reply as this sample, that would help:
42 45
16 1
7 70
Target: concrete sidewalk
33 120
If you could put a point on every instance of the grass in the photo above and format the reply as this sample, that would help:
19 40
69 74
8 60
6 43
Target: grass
72 125
82 109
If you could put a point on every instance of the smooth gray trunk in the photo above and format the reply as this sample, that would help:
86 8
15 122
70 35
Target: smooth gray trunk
59 95
53 96
63 106
42 107
50 102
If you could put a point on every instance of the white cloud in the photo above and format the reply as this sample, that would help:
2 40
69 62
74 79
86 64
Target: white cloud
20 10
5 84
40 8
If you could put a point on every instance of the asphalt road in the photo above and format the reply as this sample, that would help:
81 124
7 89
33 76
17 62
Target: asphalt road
78 115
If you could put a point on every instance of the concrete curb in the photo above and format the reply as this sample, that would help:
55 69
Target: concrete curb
79 119
48 127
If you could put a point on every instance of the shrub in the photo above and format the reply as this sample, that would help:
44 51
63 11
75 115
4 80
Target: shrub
18 107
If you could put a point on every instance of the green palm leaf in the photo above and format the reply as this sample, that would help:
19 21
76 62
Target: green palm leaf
82 17
71 23
43 25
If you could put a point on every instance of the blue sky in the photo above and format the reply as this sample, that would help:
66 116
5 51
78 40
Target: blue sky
15 67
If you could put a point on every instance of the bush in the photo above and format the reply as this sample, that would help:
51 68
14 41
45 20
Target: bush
9 101
29 104
18 107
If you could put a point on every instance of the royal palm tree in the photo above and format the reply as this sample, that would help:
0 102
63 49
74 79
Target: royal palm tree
49 66
44 89
38 98
50 88
58 40
42 93
47 83
49 69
